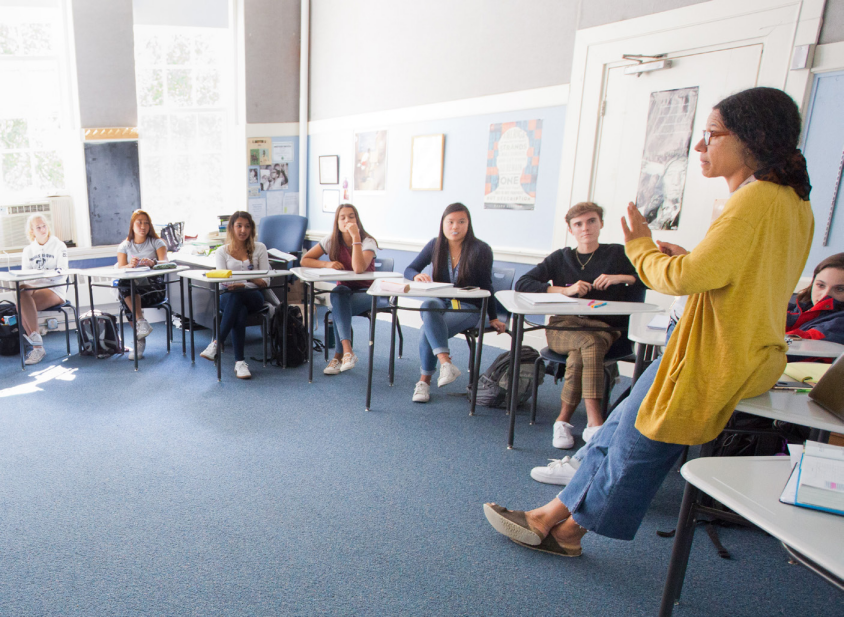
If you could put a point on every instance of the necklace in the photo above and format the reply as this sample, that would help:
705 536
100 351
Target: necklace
583 265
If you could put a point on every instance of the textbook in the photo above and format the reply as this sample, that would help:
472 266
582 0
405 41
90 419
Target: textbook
817 482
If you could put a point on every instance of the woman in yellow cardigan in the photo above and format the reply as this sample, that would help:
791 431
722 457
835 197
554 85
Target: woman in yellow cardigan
720 351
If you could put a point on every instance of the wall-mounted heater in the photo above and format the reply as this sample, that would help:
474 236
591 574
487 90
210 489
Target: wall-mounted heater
58 211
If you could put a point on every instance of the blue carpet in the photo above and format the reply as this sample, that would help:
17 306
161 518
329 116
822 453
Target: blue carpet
163 492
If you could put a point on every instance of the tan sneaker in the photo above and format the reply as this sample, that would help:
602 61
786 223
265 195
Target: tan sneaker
333 367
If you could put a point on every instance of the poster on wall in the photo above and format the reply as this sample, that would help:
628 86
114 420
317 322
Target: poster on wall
272 184
662 180
371 162
512 165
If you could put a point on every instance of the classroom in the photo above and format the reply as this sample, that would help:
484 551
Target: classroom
151 485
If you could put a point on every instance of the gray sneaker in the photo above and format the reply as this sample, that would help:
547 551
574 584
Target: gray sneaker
142 345
144 329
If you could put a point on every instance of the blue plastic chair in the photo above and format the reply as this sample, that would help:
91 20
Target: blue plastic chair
285 232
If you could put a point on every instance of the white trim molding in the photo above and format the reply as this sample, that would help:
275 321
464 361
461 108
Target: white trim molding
779 25
275 129
549 96
508 254
828 58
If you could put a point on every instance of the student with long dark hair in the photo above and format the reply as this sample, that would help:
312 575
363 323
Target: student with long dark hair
456 256
817 312
241 252
348 247
720 352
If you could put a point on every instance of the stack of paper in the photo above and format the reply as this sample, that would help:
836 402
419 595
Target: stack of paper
545 298
419 286
324 272
394 286
660 322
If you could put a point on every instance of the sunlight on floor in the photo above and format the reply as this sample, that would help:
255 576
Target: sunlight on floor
40 377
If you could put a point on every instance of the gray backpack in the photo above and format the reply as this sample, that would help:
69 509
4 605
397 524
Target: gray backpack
494 383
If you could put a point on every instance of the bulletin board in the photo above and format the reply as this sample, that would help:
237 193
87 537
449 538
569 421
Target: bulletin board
114 189
272 176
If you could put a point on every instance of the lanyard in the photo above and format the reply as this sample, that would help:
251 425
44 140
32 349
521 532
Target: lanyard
452 274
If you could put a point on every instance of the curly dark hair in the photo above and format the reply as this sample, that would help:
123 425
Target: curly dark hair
767 121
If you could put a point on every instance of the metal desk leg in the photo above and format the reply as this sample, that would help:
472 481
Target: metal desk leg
680 552
393 313
284 325
135 318
20 322
310 300
219 359
371 354
78 325
515 362
477 365
639 366
94 328
182 305
191 323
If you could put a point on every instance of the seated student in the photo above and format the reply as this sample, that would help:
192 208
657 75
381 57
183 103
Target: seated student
46 252
348 247
456 257
817 312
598 272
142 247
241 252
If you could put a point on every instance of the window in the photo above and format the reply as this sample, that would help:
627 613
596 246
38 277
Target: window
34 107
185 114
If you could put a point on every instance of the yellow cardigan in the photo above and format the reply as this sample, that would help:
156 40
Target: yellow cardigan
729 344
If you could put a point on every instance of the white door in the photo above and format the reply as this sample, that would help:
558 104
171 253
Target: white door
621 137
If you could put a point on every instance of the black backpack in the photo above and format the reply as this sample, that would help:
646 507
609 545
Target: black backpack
9 344
297 336
494 383
108 342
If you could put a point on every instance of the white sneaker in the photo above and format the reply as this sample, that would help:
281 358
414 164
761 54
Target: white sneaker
589 432
34 339
333 367
242 370
142 345
422 392
349 361
558 471
210 352
563 439
35 356
143 328
448 373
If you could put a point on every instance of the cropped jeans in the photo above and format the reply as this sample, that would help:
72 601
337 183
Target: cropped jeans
345 304
236 307
438 327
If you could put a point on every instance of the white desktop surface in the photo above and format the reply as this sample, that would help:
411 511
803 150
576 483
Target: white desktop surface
794 407
196 261
639 332
512 301
118 273
304 275
440 292
815 349
751 486
199 275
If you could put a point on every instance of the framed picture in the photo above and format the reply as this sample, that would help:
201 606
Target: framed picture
330 200
329 169
426 162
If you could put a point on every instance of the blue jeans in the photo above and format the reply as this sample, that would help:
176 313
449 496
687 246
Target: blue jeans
344 305
438 327
236 306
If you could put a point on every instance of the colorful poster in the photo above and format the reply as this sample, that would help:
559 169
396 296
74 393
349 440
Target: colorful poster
512 165
662 180
371 161
259 149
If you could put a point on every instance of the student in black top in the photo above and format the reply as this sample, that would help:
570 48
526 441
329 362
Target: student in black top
457 257
598 272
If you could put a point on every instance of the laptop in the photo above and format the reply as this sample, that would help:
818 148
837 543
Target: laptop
829 391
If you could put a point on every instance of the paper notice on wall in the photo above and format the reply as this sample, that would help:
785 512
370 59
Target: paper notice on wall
258 150
257 207
283 152
291 203
275 203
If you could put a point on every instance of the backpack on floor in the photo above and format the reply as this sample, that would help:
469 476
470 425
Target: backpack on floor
297 336
494 383
9 345
108 342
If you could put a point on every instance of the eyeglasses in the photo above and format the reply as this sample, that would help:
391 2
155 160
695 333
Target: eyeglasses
708 135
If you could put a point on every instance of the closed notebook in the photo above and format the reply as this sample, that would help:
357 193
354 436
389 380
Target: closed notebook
218 274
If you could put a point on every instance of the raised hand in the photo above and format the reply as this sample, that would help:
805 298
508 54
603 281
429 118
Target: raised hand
638 227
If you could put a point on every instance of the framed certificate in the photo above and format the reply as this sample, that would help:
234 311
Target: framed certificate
426 163
329 169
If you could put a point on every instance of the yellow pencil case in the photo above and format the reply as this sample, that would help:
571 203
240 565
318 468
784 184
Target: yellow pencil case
455 304
218 274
